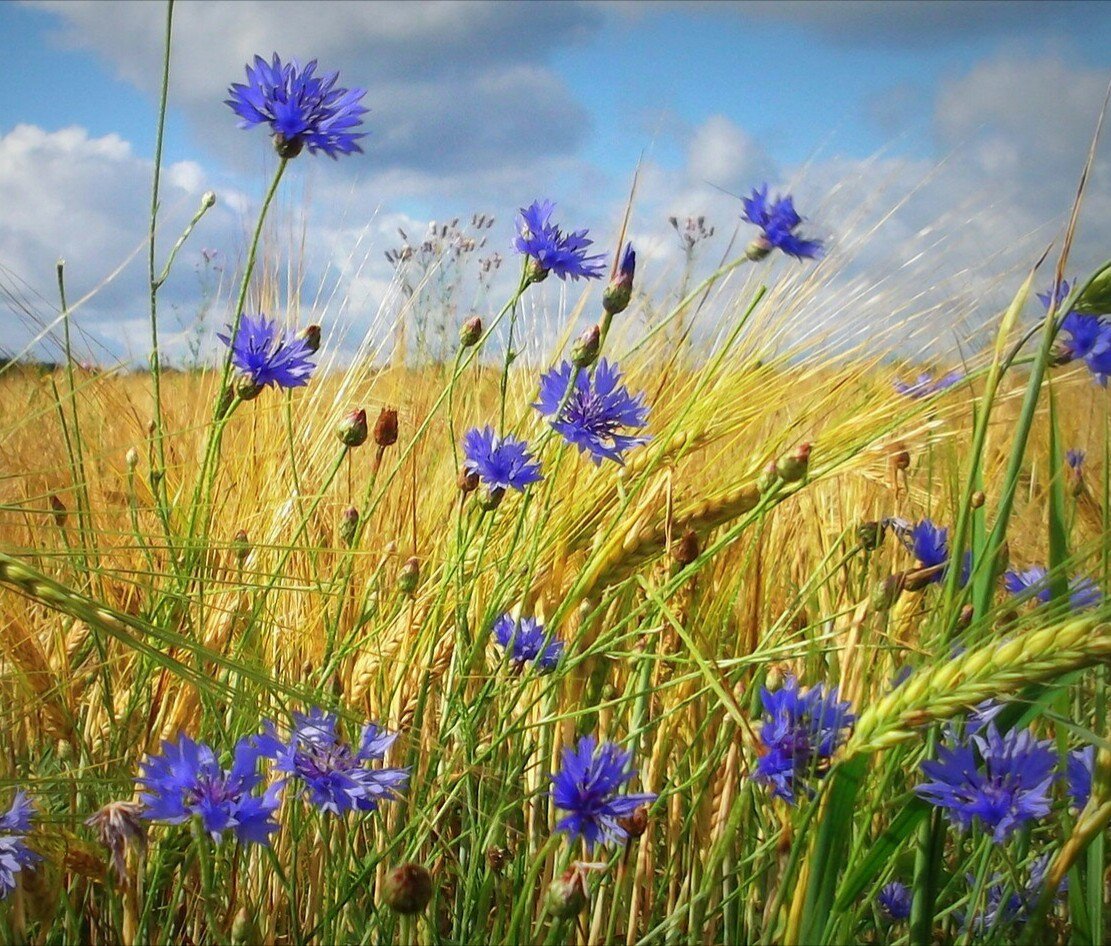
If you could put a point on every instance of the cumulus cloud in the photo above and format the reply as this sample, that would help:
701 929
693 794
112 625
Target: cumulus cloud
450 85
86 200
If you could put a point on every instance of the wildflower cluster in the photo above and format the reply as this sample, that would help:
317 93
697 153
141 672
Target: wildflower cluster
186 780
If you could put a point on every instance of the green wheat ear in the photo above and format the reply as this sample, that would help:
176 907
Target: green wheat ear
993 670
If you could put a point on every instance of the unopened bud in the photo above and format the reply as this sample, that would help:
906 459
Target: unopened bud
471 332
352 429
349 524
310 335
131 458
886 591
900 456
964 619
467 480
617 294
241 545
208 199
792 467
870 535
585 350
408 889
567 895
635 824
687 548
58 510
409 576
385 428
768 478
978 499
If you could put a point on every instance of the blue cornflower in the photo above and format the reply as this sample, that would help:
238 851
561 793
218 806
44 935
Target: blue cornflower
525 641
799 730
597 410
301 108
1078 774
929 543
187 780
926 385
894 902
1005 907
1001 780
586 786
500 462
552 250
1082 336
335 776
266 355
1034 582
1099 358
1075 458
14 853
777 220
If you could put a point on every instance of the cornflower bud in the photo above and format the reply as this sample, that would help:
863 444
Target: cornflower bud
352 429
208 199
900 456
310 335
635 824
349 524
567 894
471 332
408 889
131 458
497 858
792 467
617 294
409 576
585 350
385 428
241 545
467 480
978 499
768 478
687 548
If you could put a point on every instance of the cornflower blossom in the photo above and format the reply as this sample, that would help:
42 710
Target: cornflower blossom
778 220
598 409
334 776
1001 781
1033 583
1081 336
302 109
500 462
587 786
1078 775
186 780
14 853
929 544
551 250
926 385
524 641
894 901
1005 908
1075 459
799 731
265 355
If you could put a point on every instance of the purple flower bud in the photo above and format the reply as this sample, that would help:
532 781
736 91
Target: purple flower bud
409 576
349 524
792 467
310 338
616 297
408 889
471 332
585 350
385 428
567 895
352 430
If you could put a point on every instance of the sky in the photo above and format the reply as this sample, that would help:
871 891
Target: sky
941 141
